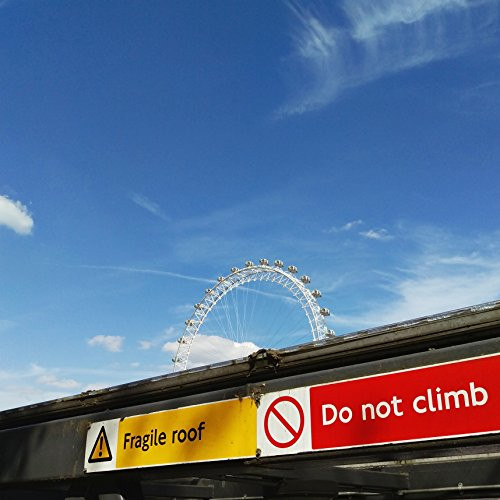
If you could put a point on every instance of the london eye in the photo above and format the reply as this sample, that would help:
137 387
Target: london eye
258 305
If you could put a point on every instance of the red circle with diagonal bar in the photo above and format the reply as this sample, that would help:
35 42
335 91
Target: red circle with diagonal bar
295 433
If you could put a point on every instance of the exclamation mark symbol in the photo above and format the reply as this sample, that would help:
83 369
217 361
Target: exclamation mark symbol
101 443
101 452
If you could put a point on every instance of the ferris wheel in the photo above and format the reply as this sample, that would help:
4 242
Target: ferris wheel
231 303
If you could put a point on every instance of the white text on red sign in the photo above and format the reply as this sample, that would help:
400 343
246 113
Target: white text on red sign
453 399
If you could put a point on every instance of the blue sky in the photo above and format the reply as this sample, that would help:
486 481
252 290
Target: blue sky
146 148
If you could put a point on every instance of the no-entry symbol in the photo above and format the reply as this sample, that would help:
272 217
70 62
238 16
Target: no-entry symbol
288 422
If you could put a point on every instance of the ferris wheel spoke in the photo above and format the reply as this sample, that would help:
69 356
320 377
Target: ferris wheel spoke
244 292
237 320
234 317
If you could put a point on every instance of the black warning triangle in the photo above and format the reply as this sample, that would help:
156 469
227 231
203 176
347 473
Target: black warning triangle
101 452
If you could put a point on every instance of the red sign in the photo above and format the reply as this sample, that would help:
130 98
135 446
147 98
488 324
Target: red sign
454 399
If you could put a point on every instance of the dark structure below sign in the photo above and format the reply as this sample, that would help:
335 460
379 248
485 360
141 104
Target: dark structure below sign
43 447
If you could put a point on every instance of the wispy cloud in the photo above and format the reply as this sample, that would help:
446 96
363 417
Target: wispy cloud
182 310
349 225
155 272
480 99
15 215
446 274
112 343
44 376
145 345
15 394
62 383
149 205
380 38
167 334
377 234
346 227
280 296
33 384
258 211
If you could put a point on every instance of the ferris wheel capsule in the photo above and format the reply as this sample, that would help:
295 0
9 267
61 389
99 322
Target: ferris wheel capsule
220 278
241 277
324 311
330 333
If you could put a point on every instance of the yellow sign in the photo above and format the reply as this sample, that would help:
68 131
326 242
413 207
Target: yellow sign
213 431
101 452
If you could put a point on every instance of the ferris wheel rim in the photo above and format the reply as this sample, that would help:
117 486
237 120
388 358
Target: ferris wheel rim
238 277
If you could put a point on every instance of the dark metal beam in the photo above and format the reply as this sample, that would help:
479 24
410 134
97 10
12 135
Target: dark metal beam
303 488
168 490
343 476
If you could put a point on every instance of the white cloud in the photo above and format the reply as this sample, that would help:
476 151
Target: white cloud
45 376
112 343
381 38
346 227
169 333
423 295
34 385
208 349
62 383
36 369
14 395
15 215
144 345
349 225
370 19
149 205
439 279
377 234
333 284
182 309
